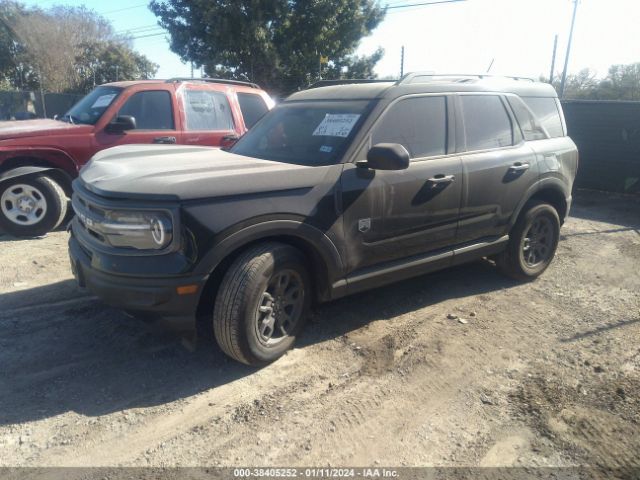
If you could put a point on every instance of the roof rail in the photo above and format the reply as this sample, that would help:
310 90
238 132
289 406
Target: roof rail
213 80
409 77
328 83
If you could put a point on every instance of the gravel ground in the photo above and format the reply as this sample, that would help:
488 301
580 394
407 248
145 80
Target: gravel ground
458 368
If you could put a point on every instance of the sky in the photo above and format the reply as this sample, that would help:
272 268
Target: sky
462 37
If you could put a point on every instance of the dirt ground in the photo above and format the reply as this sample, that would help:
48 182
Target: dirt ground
538 374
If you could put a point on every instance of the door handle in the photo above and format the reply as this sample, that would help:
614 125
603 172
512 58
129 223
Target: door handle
441 179
164 140
519 167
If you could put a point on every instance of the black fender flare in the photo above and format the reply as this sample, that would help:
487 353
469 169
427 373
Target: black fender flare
327 251
57 174
550 183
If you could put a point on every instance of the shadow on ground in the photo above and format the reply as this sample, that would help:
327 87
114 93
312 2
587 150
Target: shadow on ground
61 351
76 354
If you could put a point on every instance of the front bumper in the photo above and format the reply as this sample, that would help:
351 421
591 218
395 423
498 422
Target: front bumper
157 296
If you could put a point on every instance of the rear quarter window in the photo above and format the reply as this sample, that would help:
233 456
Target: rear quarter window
531 128
546 109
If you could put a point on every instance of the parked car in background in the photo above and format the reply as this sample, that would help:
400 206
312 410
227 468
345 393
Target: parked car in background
337 190
39 158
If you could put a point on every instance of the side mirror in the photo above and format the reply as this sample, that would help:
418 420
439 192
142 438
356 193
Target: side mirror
228 141
386 156
121 123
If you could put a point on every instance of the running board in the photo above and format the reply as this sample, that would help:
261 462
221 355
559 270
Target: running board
390 272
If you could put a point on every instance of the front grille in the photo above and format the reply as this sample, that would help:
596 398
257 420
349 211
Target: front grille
90 216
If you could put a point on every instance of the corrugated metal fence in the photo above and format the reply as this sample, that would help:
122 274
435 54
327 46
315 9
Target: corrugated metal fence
608 137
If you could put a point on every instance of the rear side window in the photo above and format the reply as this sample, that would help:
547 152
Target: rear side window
417 123
486 121
253 108
151 109
207 110
530 127
546 109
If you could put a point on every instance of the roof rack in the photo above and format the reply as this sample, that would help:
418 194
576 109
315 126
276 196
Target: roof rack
213 80
328 83
409 77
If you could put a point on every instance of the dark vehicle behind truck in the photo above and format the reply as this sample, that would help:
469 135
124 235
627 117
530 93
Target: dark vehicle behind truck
337 190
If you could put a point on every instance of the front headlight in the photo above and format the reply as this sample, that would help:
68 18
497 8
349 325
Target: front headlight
141 230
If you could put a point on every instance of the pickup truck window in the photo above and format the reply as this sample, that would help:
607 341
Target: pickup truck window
152 110
91 107
253 108
207 110
486 122
417 123
305 133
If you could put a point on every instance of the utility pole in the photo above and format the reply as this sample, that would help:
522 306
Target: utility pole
402 61
117 76
191 69
566 58
553 59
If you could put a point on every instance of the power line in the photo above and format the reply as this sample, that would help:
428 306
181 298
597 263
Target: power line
149 35
140 28
123 9
140 32
389 7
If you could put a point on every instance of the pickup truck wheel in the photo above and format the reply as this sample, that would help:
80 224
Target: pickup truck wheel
262 304
31 206
532 242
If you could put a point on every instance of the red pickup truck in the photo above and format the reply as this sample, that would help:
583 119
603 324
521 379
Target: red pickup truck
39 158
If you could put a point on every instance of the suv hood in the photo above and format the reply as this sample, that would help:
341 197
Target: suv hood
38 127
187 173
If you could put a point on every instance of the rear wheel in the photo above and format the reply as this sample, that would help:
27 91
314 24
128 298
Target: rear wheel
262 304
532 242
31 206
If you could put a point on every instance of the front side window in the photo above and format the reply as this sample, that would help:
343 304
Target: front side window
152 110
546 109
207 110
304 133
253 108
486 121
417 123
91 107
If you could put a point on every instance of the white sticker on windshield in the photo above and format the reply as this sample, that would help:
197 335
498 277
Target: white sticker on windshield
103 101
336 125
326 148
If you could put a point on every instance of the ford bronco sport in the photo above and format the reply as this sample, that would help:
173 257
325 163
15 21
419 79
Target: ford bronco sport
39 158
338 189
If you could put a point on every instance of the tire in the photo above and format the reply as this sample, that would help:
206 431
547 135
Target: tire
258 314
31 206
533 241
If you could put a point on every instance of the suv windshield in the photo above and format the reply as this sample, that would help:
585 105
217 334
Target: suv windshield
90 108
304 133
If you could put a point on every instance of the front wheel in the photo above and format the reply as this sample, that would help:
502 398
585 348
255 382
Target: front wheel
262 303
31 206
532 242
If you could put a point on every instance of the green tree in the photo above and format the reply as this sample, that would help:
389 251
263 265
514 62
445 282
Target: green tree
622 83
277 43
103 62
